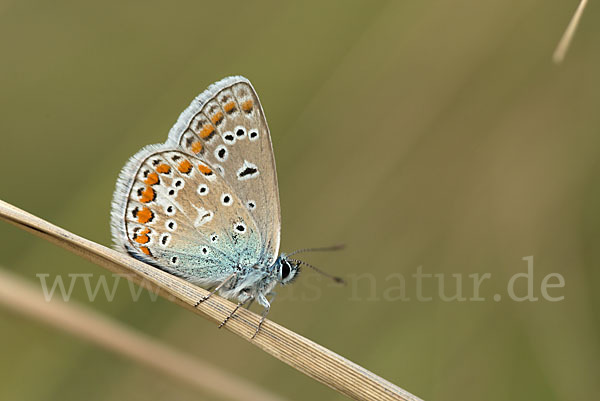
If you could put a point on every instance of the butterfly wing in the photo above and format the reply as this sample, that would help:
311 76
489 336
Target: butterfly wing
226 127
172 210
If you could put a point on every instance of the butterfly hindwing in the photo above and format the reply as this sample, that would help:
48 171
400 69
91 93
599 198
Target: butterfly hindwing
226 127
173 210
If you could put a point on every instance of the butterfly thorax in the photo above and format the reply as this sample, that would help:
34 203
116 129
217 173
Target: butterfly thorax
258 282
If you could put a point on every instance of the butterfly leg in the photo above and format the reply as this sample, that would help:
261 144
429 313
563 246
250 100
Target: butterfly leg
262 319
217 288
232 312
264 302
250 303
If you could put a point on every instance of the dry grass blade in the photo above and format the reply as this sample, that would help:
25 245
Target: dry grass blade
306 356
19 295
565 41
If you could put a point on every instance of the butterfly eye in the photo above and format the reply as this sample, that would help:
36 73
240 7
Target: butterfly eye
253 135
214 238
285 270
288 271
251 205
178 183
170 210
174 260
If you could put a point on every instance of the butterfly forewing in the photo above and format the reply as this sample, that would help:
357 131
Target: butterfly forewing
226 127
178 213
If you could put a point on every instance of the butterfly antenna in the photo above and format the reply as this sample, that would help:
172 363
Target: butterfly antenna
324 249
334 278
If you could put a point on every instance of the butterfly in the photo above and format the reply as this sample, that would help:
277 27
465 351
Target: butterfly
204 205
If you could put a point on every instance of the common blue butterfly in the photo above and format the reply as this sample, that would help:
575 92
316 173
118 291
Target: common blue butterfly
204 205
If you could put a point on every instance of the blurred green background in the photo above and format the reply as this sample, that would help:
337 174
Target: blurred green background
420 133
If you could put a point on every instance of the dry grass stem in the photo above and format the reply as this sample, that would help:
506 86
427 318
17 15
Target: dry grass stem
565 41
17 294
306 356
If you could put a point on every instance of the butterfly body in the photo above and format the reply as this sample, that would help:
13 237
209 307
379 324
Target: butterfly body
205 204
257 283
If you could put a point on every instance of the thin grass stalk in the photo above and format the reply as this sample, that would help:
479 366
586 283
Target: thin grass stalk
565 40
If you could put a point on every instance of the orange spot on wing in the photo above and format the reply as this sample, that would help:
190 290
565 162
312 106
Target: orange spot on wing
151 179
204 169
148 195
207 130
145 250
197 147
142 237
229 107
163 168
185 166
217 117
247 105
145 215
